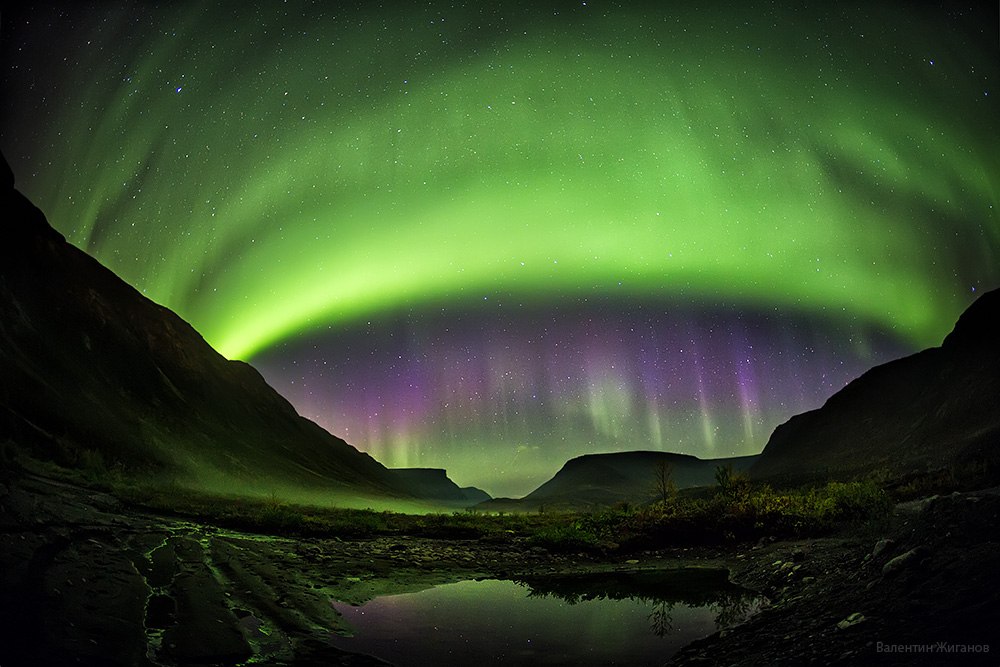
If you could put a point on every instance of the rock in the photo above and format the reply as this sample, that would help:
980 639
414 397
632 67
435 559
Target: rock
908 559
851 621
205 629
916 506
881 546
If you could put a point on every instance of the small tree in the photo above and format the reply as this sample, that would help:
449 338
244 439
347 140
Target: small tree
732 484
663 481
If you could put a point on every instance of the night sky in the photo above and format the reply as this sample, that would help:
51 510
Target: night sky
492 236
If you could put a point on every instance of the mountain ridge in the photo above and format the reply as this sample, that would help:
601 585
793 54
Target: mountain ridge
592 480
434 484
933 409
91 369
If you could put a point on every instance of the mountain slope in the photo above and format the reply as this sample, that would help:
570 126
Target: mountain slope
604 479
90 369
434 484
937 408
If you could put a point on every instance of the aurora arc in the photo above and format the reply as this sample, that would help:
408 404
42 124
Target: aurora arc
564 159
283 172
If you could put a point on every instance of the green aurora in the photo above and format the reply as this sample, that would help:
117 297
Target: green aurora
265 175
490 238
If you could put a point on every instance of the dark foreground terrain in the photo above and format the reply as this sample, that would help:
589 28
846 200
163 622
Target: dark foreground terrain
924 593
88 580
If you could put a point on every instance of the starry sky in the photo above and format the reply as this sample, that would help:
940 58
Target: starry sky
492 236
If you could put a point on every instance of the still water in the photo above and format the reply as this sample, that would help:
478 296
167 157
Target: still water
610 619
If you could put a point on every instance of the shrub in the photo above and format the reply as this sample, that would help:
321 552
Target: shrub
92 465
275 514
849 501
732 484
353 523
567 537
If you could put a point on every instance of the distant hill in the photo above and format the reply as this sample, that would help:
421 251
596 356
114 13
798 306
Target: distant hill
434 484
604 479
92 373
937 408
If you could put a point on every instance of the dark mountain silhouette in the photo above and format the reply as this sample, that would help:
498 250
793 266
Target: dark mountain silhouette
92 370
939 408
605 479
434 484
474 495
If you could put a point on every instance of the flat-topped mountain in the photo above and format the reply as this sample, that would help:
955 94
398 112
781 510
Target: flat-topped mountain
434 484
604 479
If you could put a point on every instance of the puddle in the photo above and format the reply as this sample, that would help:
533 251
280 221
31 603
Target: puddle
610 619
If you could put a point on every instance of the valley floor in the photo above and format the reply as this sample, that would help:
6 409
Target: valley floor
87 581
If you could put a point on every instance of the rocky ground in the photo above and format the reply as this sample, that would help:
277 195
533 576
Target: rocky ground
85 581
924 592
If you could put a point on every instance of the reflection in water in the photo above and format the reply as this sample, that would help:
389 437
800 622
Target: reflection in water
609 619
661 589
660 620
